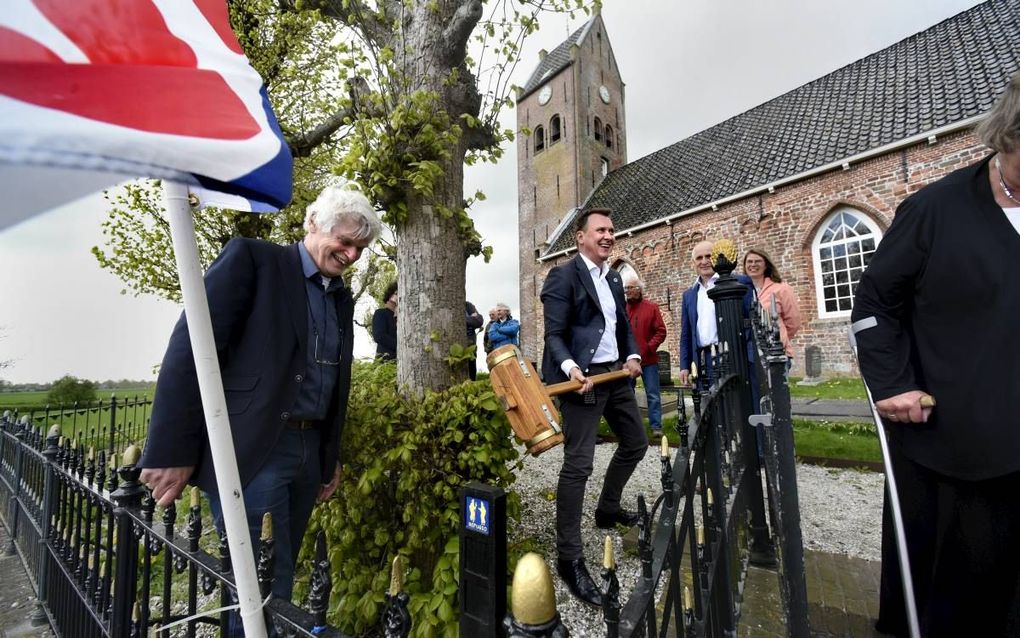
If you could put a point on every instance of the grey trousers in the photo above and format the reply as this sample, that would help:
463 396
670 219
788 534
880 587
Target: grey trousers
614 400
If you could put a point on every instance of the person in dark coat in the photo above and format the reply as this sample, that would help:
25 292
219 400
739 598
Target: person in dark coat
473 321
282 319
384 326
586 333
936 313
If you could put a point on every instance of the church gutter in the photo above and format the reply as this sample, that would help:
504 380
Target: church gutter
931 136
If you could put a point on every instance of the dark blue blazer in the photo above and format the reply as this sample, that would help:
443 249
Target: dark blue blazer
689 322
573 318
258 305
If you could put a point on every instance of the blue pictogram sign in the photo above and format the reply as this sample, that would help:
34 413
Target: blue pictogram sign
477 515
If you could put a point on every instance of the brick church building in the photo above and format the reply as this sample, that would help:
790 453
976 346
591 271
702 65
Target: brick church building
813 176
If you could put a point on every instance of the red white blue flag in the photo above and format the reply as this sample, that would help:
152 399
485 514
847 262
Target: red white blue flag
93 92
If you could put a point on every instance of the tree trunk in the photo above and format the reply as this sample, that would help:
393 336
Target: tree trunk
430 266
430 254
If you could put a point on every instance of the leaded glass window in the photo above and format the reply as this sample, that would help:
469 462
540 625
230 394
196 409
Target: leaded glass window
842 250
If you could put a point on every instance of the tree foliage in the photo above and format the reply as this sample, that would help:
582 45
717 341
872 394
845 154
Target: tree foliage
407 460
69 389
396 95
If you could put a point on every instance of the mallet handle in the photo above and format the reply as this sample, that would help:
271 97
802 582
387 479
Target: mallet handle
572 386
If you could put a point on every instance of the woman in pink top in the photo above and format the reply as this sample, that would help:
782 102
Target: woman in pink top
768 282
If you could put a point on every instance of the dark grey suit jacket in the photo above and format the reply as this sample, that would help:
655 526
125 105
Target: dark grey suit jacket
573 318
258 305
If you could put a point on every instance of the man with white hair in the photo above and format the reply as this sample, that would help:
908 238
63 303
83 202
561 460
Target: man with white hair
283 324
649 333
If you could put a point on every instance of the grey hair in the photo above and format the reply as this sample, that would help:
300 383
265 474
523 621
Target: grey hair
336 204
1000 130
635 279
503 306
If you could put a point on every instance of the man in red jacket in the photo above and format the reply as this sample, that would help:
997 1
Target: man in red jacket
649 332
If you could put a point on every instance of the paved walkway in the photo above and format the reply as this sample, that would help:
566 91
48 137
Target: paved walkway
828 409
17 597
842 598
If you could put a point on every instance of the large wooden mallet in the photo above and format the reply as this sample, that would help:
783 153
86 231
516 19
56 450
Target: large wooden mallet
528 404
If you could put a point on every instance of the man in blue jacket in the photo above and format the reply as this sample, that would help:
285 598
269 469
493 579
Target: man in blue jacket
504 330
587 333
699 329
282 319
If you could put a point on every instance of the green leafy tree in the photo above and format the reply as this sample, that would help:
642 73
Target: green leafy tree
69 389
397 95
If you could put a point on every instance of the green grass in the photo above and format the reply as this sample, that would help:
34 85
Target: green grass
838 388
819 439
828 440
9 400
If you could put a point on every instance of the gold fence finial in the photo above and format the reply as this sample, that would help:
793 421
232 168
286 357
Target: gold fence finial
267 526
534 599
608 559
397 576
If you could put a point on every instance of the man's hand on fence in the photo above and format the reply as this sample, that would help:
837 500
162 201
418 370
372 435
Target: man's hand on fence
166 483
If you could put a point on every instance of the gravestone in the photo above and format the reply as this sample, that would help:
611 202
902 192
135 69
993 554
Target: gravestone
813 362
665 375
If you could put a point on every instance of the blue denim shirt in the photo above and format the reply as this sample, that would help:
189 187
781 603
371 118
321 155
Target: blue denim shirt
324 338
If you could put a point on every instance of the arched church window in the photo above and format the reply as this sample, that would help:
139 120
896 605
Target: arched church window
554 130
597 125
841 251
539 138
609 136
604 166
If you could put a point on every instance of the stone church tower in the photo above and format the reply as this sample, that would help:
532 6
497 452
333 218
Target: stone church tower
573 107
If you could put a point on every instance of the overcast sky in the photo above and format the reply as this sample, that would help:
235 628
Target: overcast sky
687 64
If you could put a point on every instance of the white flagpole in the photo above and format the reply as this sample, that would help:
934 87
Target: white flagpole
214 405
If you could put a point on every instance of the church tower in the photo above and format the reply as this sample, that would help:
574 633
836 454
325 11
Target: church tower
573 106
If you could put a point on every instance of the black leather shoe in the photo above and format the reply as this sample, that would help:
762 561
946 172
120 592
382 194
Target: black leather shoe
577 579
608 520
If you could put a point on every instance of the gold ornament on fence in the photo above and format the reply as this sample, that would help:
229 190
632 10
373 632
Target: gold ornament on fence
727 248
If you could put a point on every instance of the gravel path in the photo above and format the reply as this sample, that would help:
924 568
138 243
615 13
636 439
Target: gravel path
841 513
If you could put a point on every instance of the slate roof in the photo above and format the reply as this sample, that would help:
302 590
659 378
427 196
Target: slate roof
555 61
938 77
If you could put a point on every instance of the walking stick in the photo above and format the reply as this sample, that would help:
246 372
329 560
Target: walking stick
894 500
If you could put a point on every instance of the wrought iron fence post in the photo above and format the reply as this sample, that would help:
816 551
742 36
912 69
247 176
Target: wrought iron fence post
321 586
113 421
728 295
50 454
533 612
611 600
19 462
791 542
128 495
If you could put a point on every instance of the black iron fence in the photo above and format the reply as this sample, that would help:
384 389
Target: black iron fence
699 536
103 565
105 424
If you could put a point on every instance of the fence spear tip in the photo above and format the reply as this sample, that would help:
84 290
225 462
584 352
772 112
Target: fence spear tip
608 559
131 455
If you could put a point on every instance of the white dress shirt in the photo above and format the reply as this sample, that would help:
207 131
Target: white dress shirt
607 350
708 328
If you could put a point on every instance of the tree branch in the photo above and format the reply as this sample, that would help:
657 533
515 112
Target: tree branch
372 25
303 144
457 32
